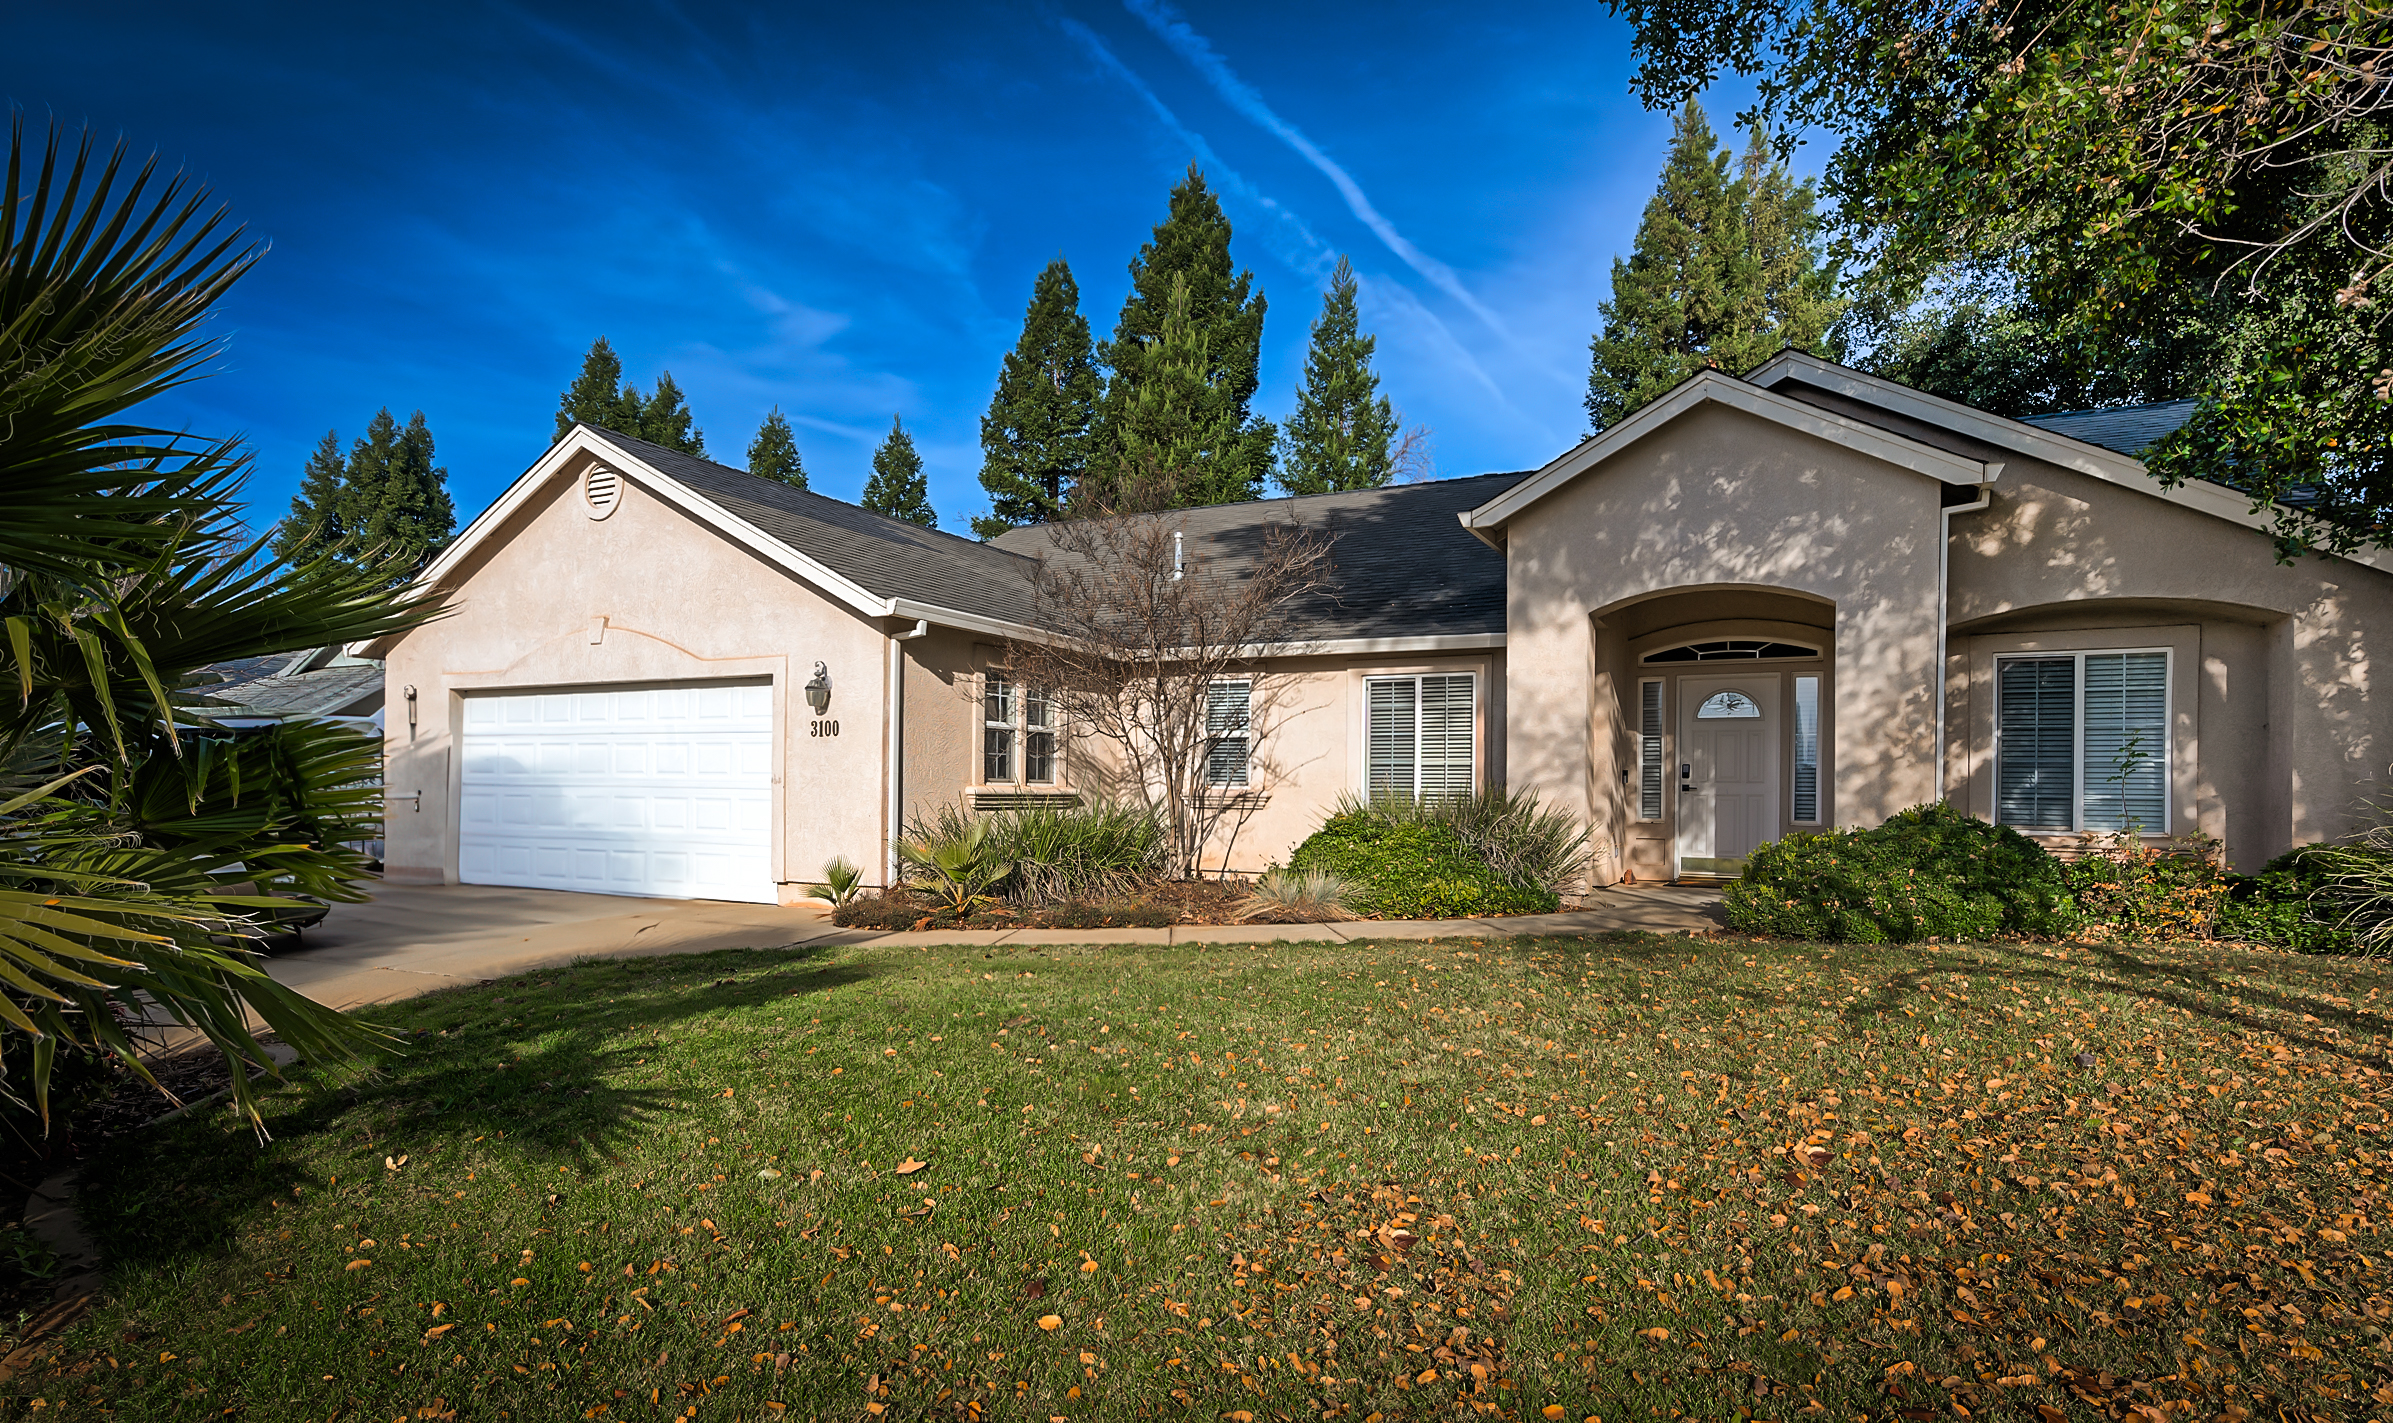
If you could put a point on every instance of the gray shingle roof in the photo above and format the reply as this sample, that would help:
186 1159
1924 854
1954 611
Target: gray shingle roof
2129 429
1405 566
887 557
327 691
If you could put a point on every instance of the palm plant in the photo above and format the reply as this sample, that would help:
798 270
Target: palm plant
142 841
841 880
958 865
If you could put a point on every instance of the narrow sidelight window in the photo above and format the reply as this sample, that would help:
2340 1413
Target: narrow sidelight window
2082 742
1422 736
1649 751
1807 751
1227 749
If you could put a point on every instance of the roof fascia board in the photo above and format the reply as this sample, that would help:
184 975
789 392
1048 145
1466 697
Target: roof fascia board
1711 387
529 485
2051 447
1427 642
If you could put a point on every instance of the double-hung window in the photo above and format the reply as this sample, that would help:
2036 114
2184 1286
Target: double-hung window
1421 741
1228 751
2082 741
1017 739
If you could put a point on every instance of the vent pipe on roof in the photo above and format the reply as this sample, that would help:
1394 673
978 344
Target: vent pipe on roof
1179 558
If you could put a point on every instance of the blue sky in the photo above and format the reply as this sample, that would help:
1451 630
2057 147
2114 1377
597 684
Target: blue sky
840 209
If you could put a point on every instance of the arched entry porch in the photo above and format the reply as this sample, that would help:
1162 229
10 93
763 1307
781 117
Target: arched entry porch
1712 725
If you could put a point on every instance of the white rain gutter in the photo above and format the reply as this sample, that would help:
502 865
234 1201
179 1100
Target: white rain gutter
1944 564
896 698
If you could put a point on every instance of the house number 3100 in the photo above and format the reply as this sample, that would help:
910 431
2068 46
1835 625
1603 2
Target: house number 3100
823 728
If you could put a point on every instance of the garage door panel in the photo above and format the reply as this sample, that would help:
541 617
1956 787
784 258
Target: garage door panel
632 790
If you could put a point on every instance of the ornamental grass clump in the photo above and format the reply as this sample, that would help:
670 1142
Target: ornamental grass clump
1060 854
1928 872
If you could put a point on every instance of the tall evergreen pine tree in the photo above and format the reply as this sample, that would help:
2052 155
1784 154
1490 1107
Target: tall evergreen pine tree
1725 272
1225 315
664 419
1785 295
897 487
773 454
387 501
412 517
1343 434
600 396
1671 296
314 527
1035 437
596 396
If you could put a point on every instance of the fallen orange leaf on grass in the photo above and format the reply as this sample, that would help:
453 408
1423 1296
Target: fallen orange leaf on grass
909 1166
357 1264
1051 1322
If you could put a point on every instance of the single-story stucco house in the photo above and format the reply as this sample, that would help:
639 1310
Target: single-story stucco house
1805 597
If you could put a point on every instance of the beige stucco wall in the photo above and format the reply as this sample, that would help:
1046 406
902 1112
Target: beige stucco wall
1722 504
2277 727
679 602
1709 526
1308 744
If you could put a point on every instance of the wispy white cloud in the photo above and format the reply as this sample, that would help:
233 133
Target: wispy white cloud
1242 96
1295 241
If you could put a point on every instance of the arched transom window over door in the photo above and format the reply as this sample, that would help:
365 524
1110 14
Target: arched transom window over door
1728 706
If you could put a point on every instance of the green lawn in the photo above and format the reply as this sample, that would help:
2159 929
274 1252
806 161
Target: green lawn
1626 1177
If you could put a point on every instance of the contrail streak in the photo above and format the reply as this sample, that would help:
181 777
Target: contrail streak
1314 249
1199 52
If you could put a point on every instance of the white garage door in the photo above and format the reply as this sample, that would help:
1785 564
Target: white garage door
657 790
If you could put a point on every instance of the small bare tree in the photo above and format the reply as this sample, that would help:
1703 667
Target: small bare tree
1145 638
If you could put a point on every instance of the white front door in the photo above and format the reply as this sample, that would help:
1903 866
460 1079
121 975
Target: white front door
662 790
1728 771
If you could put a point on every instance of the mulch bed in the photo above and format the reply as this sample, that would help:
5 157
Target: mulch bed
1154 907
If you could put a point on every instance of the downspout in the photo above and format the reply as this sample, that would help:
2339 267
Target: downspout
895 777
1944 562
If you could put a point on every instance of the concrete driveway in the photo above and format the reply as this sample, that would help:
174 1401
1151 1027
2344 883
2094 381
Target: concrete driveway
413 939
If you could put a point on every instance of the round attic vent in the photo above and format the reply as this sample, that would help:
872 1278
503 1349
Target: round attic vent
602 490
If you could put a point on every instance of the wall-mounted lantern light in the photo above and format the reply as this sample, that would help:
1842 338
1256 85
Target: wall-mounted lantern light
818 690
409 693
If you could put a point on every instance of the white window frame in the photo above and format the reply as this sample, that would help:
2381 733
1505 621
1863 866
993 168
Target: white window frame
1245 737
2166 752
1018 728
1478 711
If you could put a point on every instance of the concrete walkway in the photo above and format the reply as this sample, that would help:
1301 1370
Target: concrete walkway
415 939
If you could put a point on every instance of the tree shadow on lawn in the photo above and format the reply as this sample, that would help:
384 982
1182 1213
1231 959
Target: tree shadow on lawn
529 1061
2197 989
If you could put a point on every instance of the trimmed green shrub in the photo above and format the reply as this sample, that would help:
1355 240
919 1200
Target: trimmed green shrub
1412 869
1928 872
2292 903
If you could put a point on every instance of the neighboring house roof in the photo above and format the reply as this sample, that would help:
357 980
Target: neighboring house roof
1405 572
354 689
887 557
2129 429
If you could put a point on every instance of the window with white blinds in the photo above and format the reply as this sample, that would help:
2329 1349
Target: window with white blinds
1421 740
2082 741
1227 752
1649 751
1807 751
